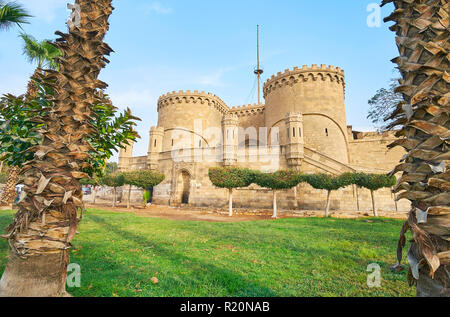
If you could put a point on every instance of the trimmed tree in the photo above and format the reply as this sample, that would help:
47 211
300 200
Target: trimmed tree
280 180
114 181
374 182
144 179
329 183
230 178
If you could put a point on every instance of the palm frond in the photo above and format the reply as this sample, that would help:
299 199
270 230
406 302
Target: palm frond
41 52
12 13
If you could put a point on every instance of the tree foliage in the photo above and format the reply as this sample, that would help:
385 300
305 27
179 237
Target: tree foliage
382 104
143 179
43 53
328 182
231 177
278 180
113 180
374 182
19 128
12 13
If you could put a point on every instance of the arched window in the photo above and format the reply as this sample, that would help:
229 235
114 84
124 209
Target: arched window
155 144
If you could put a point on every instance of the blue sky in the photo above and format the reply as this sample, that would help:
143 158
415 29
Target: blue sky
167 45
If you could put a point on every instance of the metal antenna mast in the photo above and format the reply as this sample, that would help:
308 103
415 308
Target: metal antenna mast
258 70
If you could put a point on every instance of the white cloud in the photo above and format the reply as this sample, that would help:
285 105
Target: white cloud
214 79
45 10
133 98
158 8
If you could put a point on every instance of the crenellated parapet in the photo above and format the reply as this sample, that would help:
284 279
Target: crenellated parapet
292 76
193 97
248 110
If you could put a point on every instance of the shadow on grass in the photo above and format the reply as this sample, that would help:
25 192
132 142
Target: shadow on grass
232 283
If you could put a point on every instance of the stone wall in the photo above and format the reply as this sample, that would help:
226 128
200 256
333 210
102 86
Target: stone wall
369 151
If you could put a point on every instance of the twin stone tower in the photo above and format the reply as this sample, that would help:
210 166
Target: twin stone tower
302 126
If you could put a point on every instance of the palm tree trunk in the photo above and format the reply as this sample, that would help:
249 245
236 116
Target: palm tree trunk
48 211
230 203
423 36
274 216
9 193
327 209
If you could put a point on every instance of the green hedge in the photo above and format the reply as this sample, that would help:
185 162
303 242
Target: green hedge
143 179
231 177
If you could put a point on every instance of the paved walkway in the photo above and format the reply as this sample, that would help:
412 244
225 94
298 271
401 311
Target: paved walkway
217 215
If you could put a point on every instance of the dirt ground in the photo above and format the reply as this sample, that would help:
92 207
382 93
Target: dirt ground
218 215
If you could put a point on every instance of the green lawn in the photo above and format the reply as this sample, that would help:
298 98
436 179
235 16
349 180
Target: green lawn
120 253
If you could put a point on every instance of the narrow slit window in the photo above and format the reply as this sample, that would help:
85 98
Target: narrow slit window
155 143
293 132
326 132
200 143
172 142
299 132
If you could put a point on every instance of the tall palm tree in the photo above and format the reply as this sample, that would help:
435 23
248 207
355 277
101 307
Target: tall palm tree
48 210
423 38
12 13
44 54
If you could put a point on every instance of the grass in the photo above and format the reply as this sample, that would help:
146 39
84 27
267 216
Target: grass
120 253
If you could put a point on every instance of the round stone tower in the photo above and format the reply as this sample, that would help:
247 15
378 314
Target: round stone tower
318 93
195 113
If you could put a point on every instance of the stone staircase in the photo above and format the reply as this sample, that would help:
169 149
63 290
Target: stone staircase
326 163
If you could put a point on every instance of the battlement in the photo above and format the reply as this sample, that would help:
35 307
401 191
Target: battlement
305 73
247 110
195 96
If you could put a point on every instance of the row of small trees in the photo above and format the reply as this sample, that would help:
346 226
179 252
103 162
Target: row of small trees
143 179
231 178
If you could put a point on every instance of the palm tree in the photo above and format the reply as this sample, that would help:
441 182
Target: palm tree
11 14
43 53
423 37
47 218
